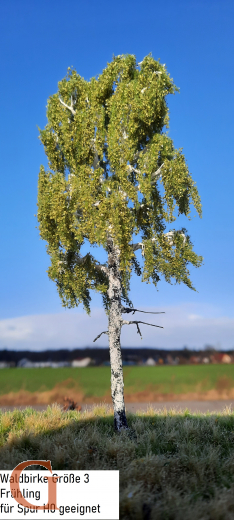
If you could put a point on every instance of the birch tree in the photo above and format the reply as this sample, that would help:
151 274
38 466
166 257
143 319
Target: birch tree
113 172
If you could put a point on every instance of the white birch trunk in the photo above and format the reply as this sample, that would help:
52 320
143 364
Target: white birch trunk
114 331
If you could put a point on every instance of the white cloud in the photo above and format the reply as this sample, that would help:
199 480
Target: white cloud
14 329
195 317
185 324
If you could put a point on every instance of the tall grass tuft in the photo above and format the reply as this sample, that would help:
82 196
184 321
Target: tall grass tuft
173 465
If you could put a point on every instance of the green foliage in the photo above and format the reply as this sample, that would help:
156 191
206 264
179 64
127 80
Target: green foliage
104 141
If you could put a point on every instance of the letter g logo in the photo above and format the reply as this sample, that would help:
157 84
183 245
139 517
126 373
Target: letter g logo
52 481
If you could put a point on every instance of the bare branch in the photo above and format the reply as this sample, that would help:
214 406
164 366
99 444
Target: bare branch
132 169
67 106
102 268
136 246
123 193
81 260
125 309
139 245
135 157
95 161
138 330
170 235
140 151
105 332
124 322
155 176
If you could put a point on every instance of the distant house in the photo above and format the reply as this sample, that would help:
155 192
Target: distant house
150 362
85 362
226 358
3 364
26 363
60 364
41 364
219 357
195 360
170 359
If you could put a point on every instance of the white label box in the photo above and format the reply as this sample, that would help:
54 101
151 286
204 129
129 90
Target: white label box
79 494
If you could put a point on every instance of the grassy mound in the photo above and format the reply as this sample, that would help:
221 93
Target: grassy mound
173 465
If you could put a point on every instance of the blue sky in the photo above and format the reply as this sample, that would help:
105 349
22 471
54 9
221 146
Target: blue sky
39 41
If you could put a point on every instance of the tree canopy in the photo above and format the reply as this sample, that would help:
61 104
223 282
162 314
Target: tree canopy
113 168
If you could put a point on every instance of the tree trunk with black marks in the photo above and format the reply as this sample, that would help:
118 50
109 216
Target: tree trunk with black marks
114 331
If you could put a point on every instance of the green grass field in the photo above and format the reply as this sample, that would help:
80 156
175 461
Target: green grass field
95 381
173 465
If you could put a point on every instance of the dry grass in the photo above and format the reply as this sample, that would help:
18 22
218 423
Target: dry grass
173 465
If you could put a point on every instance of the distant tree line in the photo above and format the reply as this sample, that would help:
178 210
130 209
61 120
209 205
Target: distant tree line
101 355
